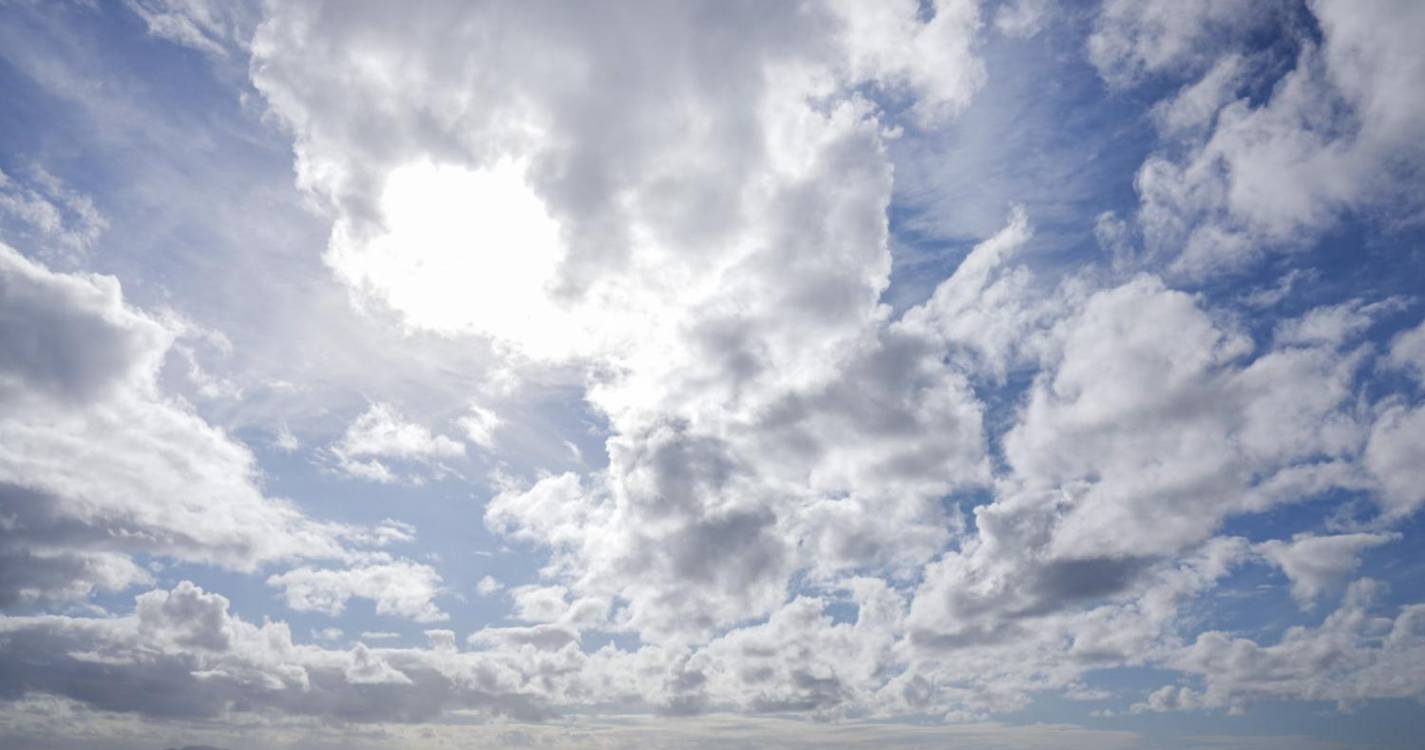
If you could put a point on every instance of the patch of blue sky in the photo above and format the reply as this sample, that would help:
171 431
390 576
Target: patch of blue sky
1045 134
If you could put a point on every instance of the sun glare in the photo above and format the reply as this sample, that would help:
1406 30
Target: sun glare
463 250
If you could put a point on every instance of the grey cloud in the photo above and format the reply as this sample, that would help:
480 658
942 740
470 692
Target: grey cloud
182 654
70 336
79 389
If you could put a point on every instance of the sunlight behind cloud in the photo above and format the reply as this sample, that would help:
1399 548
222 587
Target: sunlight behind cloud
463 250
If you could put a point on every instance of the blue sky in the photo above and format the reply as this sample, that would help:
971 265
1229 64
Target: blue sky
973 374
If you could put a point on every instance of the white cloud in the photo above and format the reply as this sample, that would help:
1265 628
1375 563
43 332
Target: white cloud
400 588
887 43
381 432
628 230
1335 137
62 222
1395 456
1156 440
480 426
97 464
1316 563
285 440
1407 352
328 634
1023 18
805 503
488 585
1133 38
1352 656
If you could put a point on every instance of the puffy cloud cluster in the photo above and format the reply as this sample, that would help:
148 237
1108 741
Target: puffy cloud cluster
1335 136
216 29
1352 656
810 504
707 239
571 206
183 654
97 465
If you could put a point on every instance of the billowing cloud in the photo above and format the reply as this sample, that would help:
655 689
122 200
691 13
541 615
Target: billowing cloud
1352 656
1334 138
98 465
697 424
1314 563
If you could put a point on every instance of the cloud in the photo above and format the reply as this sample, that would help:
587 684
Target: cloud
616 732
328 634
1352 656
1393 456
1333 139
1023 18
381 432
1315 563
678 223
641 214
480 426
1131 40
98 464
400 588
1155 441
216 29
1407 352
182 654
51 215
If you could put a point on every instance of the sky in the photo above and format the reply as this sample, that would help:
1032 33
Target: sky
963 374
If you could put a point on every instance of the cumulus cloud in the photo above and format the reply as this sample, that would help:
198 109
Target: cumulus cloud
399 587
381 432
98 464
724 359
1315 563
1133 39
1394 457
1407 352
1352 656
183 654
807 502
729 305
1334 137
